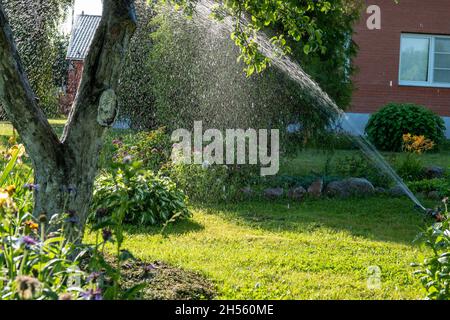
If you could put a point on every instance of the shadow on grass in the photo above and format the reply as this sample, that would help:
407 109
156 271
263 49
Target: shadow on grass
380 218
176 229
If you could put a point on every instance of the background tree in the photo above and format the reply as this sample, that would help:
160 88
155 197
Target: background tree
36 29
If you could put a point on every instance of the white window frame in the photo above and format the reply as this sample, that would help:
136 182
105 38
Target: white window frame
429 83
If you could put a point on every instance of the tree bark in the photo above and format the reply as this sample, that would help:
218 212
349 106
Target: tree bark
65 169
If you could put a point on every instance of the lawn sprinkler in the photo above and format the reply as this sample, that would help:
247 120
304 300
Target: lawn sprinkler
436 214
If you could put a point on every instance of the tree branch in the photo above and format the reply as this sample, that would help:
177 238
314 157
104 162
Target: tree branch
95 106
19 102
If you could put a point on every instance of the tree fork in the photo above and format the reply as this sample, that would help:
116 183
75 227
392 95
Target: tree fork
65 169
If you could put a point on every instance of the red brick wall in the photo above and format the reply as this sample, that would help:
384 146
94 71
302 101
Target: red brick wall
73 82
379 54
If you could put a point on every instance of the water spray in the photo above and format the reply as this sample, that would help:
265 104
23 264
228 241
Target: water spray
324 103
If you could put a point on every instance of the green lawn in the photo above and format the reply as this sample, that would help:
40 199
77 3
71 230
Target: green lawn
314 250
314 161
6 129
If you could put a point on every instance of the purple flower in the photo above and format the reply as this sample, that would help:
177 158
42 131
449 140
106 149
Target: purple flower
28 241
92 294
31 186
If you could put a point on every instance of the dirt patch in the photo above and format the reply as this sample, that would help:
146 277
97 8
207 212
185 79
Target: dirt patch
165 282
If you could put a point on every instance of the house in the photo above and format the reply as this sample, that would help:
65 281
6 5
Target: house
82 35
406 59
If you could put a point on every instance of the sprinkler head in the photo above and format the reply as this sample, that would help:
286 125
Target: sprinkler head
436 214
433 213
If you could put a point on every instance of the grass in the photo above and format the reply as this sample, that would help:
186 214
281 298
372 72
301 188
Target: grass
6 129
314 161
275 250
313 250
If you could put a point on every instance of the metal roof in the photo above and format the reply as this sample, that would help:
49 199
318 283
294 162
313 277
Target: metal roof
82 35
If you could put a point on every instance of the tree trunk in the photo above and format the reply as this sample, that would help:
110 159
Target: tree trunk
65 169
67 189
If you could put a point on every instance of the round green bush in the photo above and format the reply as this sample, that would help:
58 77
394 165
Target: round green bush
386 127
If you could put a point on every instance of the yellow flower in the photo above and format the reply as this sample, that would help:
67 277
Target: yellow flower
417 144
11 190
12 140
4 197
32 225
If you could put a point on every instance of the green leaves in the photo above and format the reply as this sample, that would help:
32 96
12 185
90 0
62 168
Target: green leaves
434 271
293 19
142 197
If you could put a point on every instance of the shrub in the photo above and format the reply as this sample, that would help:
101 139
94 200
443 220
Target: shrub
212 183
201 184
152 148
140 196
410 168
360 167
442 186
386 127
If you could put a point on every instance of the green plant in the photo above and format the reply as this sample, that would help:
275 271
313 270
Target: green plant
212 183
386 127
36 261
410 167
434 271
202 184
138 196
152 148
360 167
442 186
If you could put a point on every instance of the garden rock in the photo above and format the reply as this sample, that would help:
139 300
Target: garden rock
274 193
434 195
315 190
297 193
434 172
350 187
380 190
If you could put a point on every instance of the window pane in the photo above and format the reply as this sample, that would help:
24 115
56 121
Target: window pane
414 56
442 76
441 60
442 45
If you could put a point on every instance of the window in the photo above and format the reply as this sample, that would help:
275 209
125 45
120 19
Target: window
424 60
